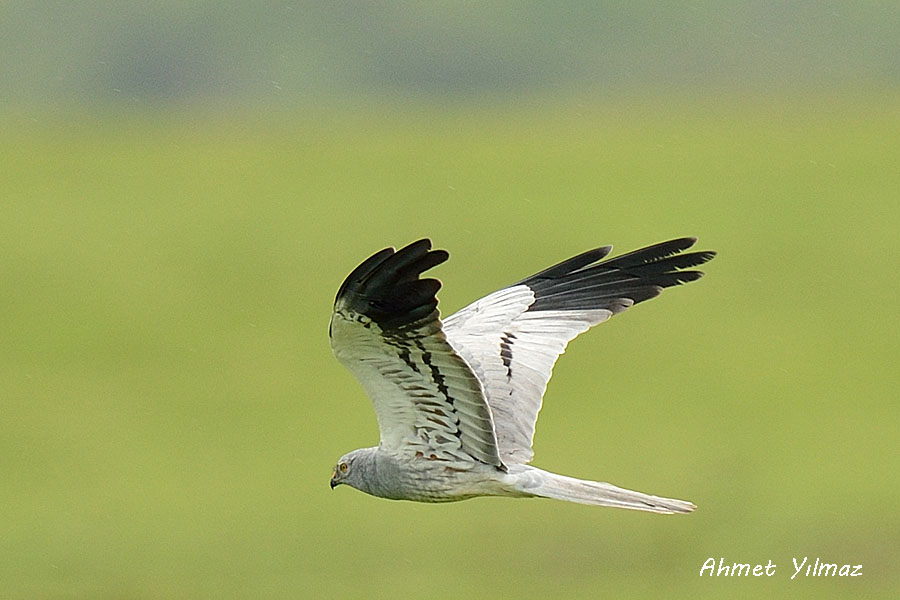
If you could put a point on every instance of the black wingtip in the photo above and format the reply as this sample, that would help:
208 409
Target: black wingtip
386 286
574 264
586 282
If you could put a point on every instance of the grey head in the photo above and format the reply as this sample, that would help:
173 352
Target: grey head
349 469
372 472
355 469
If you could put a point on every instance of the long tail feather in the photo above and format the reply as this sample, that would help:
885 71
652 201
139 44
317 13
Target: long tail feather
538 482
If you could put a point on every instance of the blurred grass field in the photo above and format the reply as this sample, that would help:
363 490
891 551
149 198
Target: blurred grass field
171 410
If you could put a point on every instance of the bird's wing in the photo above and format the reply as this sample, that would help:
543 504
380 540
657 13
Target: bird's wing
386 329
512 338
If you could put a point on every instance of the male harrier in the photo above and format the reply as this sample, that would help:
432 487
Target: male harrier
457 400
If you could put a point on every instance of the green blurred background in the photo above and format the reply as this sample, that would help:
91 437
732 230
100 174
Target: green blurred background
186 185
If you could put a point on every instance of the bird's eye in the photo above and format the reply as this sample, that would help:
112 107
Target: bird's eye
343 467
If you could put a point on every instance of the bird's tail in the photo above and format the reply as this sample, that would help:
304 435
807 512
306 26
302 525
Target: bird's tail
537 482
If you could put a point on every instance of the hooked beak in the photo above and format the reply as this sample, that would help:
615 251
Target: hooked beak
334 480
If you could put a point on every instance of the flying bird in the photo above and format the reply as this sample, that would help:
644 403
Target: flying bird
457 400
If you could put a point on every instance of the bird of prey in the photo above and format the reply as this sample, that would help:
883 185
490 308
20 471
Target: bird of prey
457 400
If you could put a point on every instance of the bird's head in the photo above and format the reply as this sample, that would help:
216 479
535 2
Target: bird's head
349 469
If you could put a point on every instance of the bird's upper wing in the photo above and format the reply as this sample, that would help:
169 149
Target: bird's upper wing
512 338
386 329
